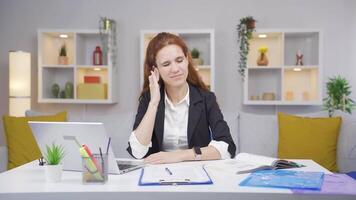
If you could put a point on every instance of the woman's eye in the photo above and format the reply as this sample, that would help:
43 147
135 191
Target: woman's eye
179 60
166 64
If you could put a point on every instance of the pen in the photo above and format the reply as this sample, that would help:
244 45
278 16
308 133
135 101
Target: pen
107 147
169 171
101 155
102 159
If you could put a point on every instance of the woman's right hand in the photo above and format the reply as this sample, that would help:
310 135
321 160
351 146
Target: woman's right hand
154 86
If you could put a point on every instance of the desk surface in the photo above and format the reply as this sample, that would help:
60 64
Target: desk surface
28 182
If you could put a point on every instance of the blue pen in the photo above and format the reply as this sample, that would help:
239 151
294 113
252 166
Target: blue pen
169 171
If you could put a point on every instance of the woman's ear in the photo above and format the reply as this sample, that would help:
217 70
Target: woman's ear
158 76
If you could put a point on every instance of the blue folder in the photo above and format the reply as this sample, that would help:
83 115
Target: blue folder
285 179
177 181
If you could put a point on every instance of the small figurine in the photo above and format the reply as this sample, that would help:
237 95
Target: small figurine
299 57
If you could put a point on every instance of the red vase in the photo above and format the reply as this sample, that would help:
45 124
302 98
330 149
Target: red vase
97 56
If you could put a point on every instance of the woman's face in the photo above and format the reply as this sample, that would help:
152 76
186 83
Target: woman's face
172 65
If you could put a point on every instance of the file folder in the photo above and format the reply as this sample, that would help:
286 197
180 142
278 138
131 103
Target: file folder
285 179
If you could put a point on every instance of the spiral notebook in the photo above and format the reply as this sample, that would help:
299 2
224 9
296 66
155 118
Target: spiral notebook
174 175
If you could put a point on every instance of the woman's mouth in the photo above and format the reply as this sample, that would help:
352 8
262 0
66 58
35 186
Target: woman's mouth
176 76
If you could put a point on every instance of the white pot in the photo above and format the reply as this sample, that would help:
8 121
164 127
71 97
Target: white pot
53 173
63 60
197 61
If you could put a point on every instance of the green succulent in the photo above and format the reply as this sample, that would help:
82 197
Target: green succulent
62 94
63 51
195 53
68 90
54 154
55 90
338 96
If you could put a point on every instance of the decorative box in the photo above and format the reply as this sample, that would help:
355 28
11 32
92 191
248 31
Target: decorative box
91 79
92 91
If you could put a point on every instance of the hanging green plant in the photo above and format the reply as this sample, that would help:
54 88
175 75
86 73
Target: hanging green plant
338 91
244 29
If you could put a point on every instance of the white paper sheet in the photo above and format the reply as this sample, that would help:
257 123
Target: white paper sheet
179 173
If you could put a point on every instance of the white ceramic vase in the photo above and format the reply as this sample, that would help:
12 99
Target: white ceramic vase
53 173
63 60
197 61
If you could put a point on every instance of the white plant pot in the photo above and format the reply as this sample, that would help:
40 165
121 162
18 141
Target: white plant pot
197 61
53 173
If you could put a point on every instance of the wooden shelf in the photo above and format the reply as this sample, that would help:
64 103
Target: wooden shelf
80 47
291 103
290 84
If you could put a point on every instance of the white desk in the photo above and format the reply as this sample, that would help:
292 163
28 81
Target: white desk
28 182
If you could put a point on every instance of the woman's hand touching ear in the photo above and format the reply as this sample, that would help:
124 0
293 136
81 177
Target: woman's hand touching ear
154 86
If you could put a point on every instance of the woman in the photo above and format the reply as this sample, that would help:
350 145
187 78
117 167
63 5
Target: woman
178 119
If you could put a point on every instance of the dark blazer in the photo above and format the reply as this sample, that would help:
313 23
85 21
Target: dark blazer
203 112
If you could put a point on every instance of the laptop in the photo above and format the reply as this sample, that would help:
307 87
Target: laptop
89 133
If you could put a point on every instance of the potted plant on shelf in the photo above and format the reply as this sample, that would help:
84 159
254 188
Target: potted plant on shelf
262 58
195 56
338 96
54 156
55 89
63 59
244 29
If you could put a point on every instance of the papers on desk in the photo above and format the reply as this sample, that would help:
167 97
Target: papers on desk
174 175
258 162
248 163
285 179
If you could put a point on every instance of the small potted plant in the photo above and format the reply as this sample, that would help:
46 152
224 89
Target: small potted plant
262 58
338 96
63 59
195 56
55 89
244 29
54 156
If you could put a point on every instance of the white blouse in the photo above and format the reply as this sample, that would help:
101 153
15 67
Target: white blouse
175 131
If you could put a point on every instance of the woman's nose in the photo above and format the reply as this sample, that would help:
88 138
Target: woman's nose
174 67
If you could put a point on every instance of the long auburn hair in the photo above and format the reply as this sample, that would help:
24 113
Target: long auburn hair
157 43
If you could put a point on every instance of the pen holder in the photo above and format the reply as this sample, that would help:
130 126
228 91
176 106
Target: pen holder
95 169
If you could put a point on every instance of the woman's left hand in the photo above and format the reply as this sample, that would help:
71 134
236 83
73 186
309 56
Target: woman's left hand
164 157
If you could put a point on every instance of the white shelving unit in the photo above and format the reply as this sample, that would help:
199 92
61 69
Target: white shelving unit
80 45
282 78
202 39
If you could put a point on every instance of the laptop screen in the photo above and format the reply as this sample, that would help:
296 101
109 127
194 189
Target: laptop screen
92 134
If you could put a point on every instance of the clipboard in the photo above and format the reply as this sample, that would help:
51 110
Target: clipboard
174 177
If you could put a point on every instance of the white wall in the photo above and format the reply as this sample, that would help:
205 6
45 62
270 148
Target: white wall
19 21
